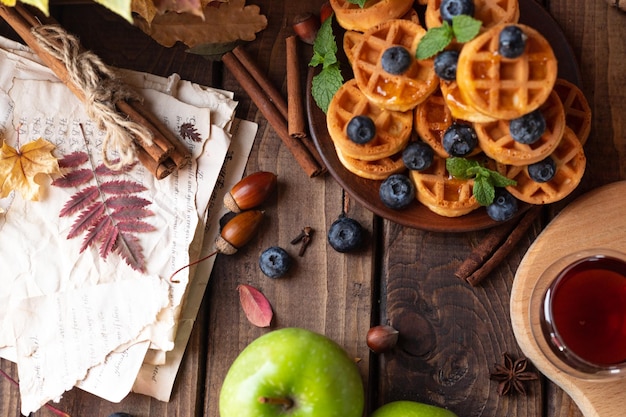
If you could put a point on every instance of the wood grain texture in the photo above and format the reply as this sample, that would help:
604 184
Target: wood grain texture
450 333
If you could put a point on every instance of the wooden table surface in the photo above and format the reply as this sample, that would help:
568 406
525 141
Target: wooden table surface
451 334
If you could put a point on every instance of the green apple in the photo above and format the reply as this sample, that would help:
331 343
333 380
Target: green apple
292 372
411 409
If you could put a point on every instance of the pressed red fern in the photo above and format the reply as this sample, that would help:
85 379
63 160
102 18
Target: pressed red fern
108 211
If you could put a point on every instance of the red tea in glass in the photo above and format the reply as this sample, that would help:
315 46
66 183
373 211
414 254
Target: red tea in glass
584 313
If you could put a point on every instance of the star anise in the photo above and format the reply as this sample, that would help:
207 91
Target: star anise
512 374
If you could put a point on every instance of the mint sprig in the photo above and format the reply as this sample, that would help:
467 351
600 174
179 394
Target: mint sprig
325 84
485 179
464 28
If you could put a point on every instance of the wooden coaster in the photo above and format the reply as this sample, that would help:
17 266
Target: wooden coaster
595 220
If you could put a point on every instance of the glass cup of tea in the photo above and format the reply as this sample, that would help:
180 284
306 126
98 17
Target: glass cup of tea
578 314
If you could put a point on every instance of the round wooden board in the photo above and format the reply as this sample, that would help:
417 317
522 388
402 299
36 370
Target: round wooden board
594 220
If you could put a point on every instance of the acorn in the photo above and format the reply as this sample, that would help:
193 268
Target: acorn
250 192
238 231
382 338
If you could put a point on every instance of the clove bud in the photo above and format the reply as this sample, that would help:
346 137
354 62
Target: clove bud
382 338
251 191
238 231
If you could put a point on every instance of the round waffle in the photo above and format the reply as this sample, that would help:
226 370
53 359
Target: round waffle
577 110
457 105
490 12
442 193
393 129
394 92
570 162
352 37
506 88
432 118
496 141
351 16
373 170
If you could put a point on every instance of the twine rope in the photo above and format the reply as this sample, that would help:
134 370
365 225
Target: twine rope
101 88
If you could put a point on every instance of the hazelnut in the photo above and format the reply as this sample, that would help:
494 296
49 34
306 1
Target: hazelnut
306 27
382 338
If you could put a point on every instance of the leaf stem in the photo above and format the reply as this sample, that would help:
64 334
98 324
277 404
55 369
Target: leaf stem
191 264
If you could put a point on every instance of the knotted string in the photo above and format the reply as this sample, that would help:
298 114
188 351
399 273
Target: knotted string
101 88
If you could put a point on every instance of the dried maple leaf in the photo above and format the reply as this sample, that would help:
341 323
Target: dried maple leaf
109 213
188 131
230 22
19 169
255 305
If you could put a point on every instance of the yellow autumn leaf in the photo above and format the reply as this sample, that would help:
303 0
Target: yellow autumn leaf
19 169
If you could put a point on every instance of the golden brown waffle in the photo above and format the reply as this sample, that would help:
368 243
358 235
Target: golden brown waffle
432 118
496 142
393 129
490 12
577 110
373 170
352 37
394 92
352 17
457 105
570 162
505 88
441 193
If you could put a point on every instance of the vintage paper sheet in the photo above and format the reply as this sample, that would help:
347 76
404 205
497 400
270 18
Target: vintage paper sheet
48 285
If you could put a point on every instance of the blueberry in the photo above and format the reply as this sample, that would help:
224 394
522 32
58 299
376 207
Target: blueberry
503 207
361 129
528 128
451 8
274 262
397 191
512 42
345 234
418 156
542 171
459 139
120 415
445 65
396 60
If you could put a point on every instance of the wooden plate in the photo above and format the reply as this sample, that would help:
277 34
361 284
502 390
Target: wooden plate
416 215
594 220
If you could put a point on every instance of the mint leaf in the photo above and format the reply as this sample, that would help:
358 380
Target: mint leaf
360 3
499 180
461 167
485 179
434 41
465 27
324 42
324 86
327 82
483 191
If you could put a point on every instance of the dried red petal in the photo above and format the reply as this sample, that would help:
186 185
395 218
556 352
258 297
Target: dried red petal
255 305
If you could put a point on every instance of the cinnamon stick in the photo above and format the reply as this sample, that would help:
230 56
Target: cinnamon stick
153 155
273 94
484 249
295 108
271 112
505 248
